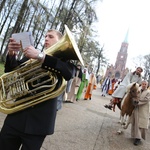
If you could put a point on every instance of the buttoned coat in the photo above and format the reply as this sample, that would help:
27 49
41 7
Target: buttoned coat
39 119
143 109
140 116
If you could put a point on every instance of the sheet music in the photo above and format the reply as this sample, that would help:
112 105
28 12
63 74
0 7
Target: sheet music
25 37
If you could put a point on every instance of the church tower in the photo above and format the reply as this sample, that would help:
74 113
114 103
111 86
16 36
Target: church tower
119 70
122 56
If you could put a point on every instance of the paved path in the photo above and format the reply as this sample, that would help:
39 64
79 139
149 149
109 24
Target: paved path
87 125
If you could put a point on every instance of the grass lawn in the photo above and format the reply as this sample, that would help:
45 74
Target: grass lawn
1 68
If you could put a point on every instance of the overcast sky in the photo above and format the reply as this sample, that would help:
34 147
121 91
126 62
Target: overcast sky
115 17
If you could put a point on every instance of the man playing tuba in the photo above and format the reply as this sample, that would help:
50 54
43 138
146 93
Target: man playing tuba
28 128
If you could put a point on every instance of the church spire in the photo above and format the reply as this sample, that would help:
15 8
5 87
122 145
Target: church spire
126 37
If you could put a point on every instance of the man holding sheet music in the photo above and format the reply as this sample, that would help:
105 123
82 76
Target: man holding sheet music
28 128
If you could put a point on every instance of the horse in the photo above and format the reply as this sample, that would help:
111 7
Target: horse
128 103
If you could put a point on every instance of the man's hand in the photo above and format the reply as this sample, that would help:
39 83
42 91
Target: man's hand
13 47
31 52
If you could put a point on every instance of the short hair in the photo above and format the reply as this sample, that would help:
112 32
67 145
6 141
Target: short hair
57 32
145 82
139 68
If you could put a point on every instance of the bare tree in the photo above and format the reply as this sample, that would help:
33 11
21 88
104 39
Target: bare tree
19 21
2 4
37 16
146 67
101 60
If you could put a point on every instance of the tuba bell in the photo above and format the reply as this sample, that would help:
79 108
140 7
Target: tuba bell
16 93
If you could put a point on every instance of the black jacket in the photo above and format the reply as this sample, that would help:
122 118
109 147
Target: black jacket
39 119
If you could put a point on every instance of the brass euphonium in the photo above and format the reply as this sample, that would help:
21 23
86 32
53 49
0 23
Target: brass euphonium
15 91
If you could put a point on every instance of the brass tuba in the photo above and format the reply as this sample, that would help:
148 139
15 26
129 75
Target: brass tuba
15 87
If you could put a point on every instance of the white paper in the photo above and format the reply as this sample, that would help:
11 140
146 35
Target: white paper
25 37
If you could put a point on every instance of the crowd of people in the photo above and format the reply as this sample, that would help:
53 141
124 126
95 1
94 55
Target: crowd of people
109 85
84 82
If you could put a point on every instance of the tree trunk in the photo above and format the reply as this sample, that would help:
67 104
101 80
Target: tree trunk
3 54
2 5
18 24
6 17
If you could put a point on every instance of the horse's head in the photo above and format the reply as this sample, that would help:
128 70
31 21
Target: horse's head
134 93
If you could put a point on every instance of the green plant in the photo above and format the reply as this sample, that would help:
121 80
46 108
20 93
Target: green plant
1 68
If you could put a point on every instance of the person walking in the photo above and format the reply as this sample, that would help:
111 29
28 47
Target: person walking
83 84
105 86
75 85
111 87
91 86
140 115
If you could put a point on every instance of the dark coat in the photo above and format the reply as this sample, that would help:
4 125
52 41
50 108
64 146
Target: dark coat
106 85
39 119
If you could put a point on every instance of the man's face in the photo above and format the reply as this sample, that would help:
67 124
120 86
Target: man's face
144 85
138 71
78 67
50 39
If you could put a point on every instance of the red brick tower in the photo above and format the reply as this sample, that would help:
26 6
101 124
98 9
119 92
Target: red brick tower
119 70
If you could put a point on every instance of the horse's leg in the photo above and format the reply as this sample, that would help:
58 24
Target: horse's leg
127 122
121 124
119 130
119 106
119 118
124 120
